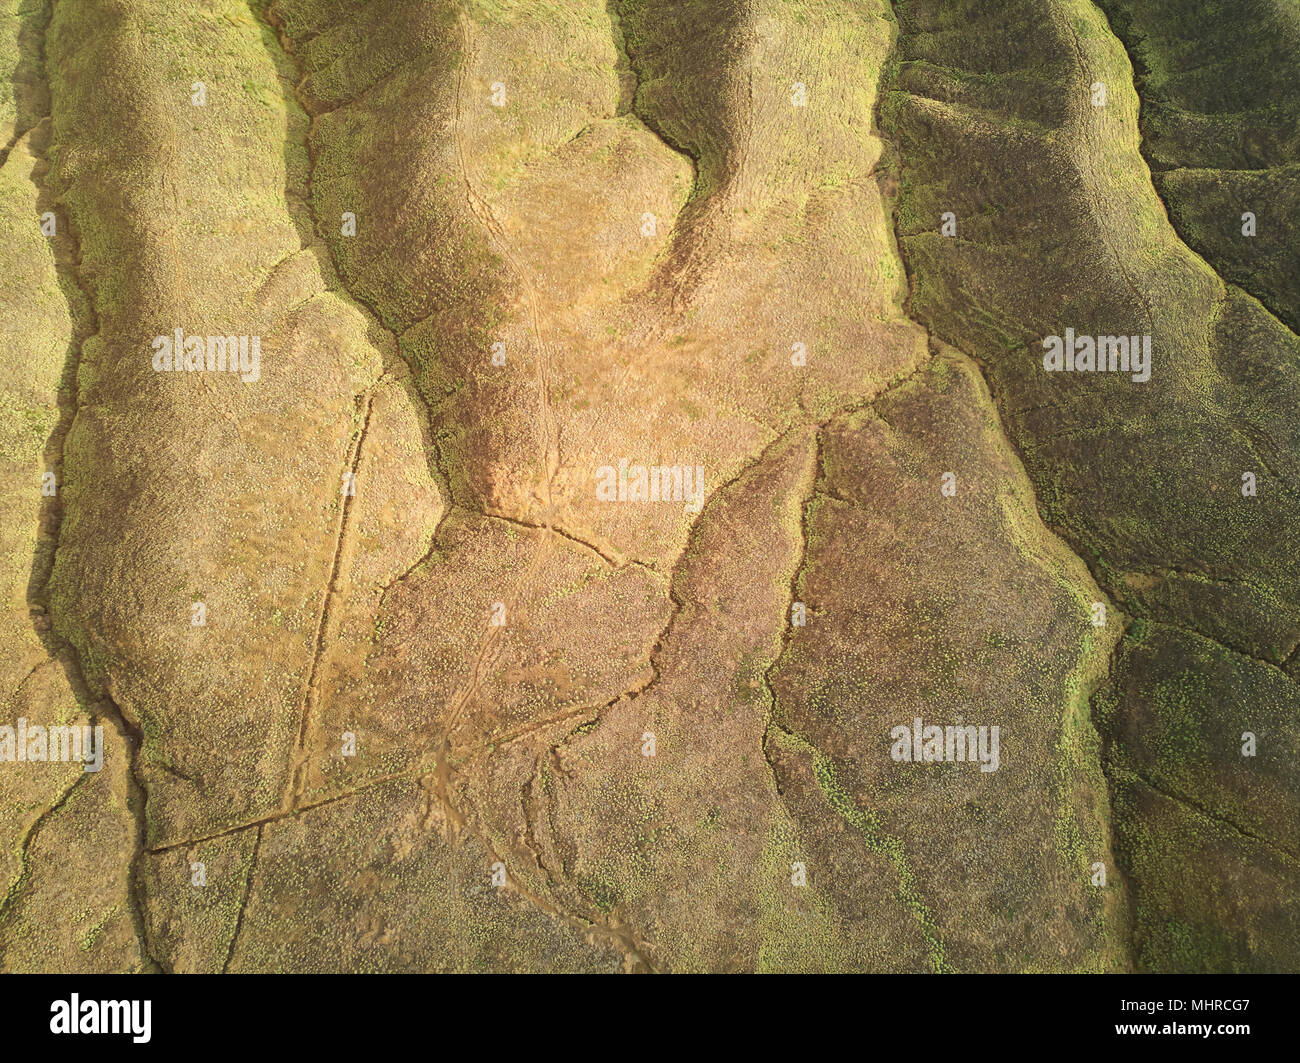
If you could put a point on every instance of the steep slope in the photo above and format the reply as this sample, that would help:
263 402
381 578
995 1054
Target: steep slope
1179 489
614 558
49 803
1221 131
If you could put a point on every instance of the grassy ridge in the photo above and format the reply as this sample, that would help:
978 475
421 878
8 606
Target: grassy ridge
1142 479
1221 129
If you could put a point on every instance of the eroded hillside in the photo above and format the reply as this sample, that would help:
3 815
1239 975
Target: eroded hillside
517 484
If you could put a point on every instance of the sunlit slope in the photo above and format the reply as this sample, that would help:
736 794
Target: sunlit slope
621 338
397 672
47 808
211 488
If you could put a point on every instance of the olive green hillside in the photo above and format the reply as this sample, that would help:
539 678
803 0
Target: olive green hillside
1178 492
47 806
1221 131
400 669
